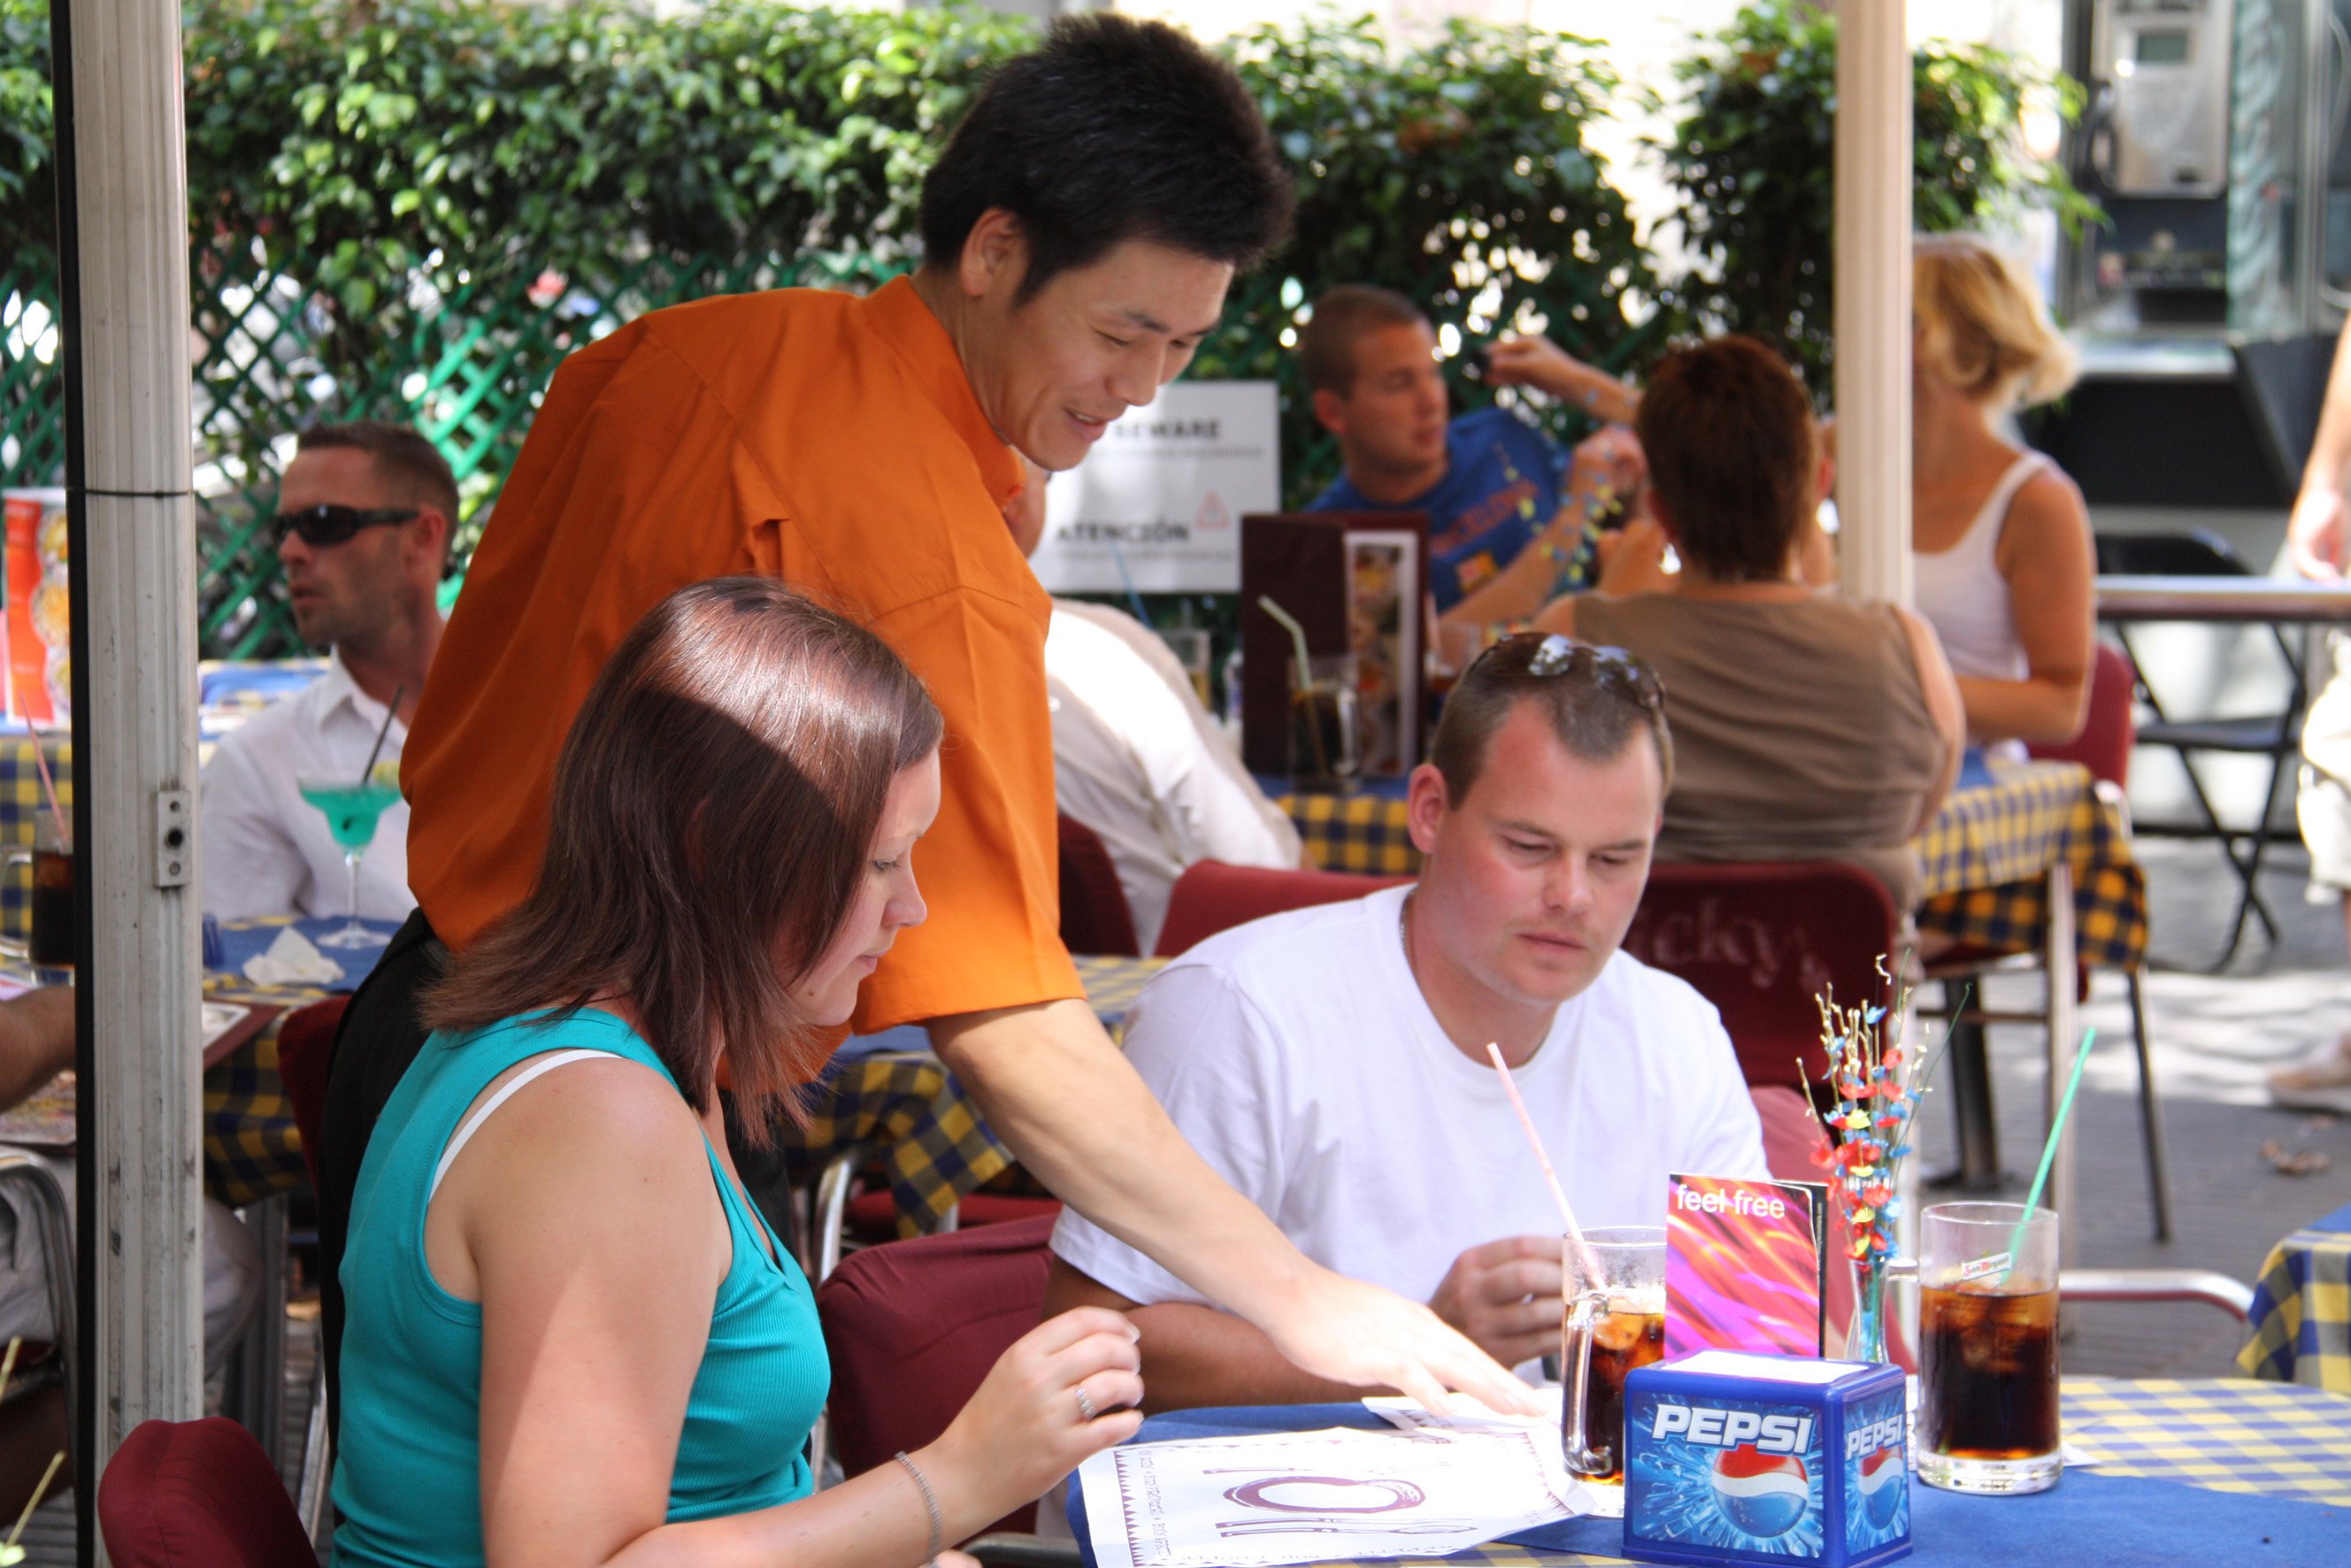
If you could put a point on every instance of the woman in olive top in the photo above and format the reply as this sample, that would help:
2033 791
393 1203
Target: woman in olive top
571 1339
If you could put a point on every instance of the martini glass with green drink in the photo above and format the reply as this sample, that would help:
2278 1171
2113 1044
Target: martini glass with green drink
353 808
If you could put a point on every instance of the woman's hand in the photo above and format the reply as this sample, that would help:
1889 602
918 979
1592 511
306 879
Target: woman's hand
1632 560
1027 1428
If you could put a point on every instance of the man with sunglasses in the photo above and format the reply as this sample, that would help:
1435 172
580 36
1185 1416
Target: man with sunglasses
1330 1062
362 531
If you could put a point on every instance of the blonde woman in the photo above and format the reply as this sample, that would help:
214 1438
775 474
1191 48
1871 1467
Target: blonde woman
2006 569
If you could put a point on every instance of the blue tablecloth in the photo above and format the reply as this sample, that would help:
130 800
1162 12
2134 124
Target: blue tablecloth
241 939
2090 1520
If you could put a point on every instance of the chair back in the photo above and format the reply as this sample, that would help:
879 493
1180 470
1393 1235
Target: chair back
2110 731
198 1494
914 1326
306 1044
1094 914
1760 940
1211 897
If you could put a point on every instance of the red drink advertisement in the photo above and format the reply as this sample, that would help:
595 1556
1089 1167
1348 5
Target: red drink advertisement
28 654
1744 1265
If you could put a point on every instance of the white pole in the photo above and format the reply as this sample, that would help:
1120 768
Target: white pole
1873 300
134 584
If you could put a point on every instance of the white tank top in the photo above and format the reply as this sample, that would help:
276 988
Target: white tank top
1962 594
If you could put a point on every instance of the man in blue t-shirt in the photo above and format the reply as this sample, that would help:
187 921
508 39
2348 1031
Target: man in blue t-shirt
1506 507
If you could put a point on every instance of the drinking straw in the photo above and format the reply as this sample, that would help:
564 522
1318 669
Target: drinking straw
1305 672
1118 558
1591 1269
1297 634
391 711
2057 1131
10 1551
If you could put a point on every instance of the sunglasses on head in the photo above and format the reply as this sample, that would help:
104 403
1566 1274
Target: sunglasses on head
331 525
1553 655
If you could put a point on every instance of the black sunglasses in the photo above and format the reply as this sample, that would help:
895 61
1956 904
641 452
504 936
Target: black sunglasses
1550 653
332 525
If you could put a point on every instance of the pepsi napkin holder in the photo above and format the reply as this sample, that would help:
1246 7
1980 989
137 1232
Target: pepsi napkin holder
1740 1458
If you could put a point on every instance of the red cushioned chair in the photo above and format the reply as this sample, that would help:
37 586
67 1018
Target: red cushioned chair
1211 897
2108 737
1095 918
305 1043
914 1326
198 1494
1760 940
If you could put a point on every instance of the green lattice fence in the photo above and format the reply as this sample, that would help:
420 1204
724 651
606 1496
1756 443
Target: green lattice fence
268 360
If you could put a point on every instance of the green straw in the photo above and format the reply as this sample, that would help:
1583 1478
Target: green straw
2057 1131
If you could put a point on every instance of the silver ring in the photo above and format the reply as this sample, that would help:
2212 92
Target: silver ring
1086 1411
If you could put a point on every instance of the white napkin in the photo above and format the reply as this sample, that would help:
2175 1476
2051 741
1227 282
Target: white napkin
292 961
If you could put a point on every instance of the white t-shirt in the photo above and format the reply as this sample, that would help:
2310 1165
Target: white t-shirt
266 851
1137 759
1297 1055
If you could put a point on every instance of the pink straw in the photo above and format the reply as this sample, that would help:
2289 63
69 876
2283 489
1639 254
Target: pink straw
1559 1194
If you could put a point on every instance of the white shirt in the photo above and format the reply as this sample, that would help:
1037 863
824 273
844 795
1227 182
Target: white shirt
1137 759
266 851
1297 1055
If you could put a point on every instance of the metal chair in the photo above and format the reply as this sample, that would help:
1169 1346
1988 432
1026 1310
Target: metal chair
2276 736
45 1198
2103 746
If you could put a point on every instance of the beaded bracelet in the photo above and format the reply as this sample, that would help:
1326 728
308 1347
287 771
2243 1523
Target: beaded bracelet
930 1507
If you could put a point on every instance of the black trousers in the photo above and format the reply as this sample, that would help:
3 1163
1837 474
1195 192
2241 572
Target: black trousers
378 1038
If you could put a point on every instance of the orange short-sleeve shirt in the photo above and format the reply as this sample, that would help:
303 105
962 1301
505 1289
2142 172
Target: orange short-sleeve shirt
829 440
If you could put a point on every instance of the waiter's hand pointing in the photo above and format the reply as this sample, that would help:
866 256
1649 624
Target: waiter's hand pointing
1355 1334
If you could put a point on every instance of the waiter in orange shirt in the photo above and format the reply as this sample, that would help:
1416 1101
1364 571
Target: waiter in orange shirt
1080 231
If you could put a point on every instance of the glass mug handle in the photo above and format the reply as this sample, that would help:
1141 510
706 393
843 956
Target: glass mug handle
1583 1459
19 947
1348 760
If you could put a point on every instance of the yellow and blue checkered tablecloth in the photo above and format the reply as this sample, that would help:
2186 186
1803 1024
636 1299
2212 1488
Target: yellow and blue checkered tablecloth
20 798
1982 859
2301 1326
917 1123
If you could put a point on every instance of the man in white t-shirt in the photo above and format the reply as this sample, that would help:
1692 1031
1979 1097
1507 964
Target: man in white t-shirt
1138 759
362 527
1330 1062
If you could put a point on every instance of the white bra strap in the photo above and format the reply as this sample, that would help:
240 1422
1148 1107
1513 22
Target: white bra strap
2019 472
472 1123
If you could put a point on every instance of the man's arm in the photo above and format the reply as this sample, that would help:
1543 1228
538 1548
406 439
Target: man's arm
36 1041
1504 1295
1195 1355
2314 536
1079 1118
1543 364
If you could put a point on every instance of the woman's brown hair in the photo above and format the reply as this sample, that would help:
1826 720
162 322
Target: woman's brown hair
715 806
1727 432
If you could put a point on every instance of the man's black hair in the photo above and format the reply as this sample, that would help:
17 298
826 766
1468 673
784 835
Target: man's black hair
1115 130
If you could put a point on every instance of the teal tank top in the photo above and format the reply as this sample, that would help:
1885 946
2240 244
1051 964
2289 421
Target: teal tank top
408 1473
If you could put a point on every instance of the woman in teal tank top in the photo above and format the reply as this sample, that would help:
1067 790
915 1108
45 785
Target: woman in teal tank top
571 1340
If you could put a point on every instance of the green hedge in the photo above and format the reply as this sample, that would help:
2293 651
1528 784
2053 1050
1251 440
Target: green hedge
1753 159
412 209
